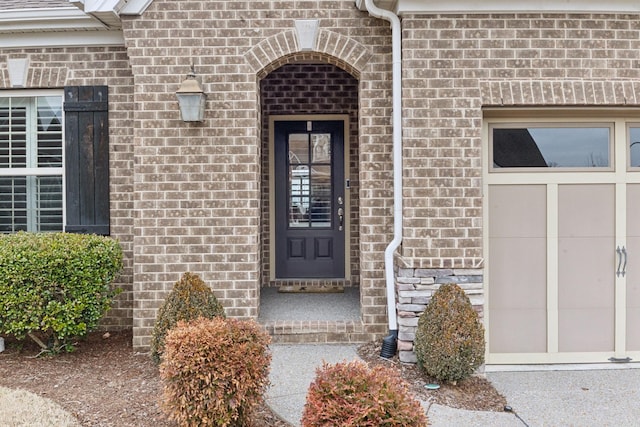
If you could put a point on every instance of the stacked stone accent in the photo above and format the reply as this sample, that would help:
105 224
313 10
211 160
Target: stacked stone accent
414 290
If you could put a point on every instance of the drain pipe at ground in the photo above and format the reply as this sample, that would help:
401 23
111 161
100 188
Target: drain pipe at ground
390 343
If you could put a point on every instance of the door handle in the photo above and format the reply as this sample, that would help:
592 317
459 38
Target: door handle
622 261
340 218
619 252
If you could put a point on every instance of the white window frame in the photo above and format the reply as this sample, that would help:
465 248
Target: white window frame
36 171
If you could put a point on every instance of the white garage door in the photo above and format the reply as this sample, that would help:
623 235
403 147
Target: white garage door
562 217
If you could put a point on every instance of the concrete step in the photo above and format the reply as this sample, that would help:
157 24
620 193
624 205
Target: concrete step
317 331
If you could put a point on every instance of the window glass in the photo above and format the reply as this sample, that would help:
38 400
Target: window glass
13 133
551 147
49 132
309 180
31 139
634 147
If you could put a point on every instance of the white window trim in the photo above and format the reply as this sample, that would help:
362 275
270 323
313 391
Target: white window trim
35 171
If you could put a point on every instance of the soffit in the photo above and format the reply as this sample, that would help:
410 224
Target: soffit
57 23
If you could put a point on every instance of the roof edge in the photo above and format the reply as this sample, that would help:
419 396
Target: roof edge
61 39
403 7
30 20
112 7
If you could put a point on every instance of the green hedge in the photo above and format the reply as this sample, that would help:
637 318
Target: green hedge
55 287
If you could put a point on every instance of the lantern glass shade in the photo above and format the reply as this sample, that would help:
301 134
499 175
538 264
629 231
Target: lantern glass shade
192 99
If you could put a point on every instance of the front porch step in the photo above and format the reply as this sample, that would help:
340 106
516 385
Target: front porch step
312 317
317 331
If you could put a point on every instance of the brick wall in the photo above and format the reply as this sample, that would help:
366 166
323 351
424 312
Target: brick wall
454 65
55 68
198 187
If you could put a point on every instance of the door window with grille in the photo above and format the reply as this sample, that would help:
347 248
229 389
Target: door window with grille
31 169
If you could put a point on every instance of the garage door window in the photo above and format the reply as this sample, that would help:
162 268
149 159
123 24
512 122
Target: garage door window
634 147
552 147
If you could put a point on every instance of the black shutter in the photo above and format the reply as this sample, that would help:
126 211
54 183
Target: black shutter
86 159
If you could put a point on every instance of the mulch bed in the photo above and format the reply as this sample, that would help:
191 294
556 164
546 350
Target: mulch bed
105 383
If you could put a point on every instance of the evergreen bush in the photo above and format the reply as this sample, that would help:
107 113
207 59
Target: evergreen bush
215 371
449 341
350 394
190 298
55 287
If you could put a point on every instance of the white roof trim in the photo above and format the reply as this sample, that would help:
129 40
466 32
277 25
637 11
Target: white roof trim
82 23
115 7
62 39
15 20
135 7
506 6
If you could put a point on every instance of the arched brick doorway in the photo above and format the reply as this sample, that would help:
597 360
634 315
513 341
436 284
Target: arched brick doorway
308 89
311 89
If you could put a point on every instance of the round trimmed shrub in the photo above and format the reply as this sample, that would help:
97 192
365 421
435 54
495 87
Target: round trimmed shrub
449 342
56 287
350 394
215 371
190 298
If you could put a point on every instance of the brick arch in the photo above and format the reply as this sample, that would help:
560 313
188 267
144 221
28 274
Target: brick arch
559 92
282 48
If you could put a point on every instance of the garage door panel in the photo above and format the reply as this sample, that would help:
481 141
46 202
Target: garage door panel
518 295
633 268
586 266
586 272
586 330
633 318
518 211
633 293
518 330
586 210
520 280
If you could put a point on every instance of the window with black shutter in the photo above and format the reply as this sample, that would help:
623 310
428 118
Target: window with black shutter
86 159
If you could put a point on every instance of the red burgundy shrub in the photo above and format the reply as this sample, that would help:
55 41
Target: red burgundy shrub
350 394
214 371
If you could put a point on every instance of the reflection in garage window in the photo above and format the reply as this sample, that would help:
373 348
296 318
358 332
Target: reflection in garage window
634 147
551 147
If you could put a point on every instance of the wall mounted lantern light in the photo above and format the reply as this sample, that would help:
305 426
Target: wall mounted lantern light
191 98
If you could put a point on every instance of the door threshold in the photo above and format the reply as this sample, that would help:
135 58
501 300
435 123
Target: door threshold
304 289
310 286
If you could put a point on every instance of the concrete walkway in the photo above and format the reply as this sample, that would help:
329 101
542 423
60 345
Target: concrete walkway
601 397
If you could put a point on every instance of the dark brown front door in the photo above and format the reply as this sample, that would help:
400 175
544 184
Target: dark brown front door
310 211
